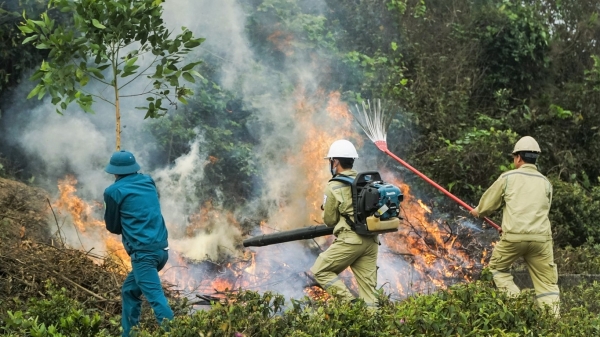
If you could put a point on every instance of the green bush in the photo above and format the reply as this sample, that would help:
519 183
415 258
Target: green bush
247 313
57 316
514 45
574 214
584 259
585 295
468 309
478 157
474 309
471 309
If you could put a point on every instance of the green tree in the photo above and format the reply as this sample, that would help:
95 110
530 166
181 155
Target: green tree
108 37
14 57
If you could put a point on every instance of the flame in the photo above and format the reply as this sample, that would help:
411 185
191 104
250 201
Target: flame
425 207
82 215
423 255
221 285
282 42
317 292
201 220
317 141
434 250
265 229
252 268
77 208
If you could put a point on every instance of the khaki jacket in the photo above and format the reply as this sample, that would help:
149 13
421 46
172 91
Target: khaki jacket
526 196
338 200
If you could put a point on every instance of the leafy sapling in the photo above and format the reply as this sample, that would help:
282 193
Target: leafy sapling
115 43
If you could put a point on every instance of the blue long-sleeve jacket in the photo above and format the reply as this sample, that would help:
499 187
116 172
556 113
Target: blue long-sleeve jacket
133 210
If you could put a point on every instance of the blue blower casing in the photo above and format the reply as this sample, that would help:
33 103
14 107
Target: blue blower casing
382 200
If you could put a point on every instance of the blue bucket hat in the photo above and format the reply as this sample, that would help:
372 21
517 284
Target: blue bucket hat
122 163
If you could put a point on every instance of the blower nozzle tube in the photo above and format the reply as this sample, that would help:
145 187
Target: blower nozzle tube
287 236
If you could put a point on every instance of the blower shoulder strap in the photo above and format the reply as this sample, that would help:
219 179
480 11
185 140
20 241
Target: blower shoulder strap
348 181
343 178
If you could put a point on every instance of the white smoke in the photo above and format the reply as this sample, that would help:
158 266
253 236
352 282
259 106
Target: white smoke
177 185
81 144
267 91
73 144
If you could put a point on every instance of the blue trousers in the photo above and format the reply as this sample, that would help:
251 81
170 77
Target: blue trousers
143 279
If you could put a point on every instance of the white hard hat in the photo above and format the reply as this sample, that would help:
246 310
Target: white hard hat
527 144
342 149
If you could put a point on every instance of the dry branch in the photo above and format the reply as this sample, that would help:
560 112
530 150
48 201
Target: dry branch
25 271
8 216
80 287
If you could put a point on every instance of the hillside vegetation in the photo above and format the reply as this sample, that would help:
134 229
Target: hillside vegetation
463 80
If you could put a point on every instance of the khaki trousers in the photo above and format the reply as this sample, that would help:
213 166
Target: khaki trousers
349 250
540 262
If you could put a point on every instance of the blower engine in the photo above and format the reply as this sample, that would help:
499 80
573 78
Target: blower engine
376 203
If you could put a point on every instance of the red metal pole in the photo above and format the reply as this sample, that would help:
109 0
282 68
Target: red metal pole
382 145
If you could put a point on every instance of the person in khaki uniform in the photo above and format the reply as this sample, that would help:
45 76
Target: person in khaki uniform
349 249
526 195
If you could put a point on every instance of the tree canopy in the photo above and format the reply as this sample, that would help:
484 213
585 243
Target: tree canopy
113 36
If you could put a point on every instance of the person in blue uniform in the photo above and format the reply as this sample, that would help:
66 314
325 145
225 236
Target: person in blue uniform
132 209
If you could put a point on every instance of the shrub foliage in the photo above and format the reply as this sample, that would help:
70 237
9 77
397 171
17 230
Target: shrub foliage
469 309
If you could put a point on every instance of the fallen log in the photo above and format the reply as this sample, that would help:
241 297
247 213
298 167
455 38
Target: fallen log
286 236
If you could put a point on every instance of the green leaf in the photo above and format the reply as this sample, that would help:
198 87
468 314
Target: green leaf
159 72
130 69
79 73
36 76
42 92
97 24
191 44
131 61
26 29
29 39
195 73
35 91
190 66
188 77
96 72
45 66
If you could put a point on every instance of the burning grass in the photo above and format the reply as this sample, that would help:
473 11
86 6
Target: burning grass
32 257
425 254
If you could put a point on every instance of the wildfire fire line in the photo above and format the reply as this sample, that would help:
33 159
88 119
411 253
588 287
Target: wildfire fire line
427 253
